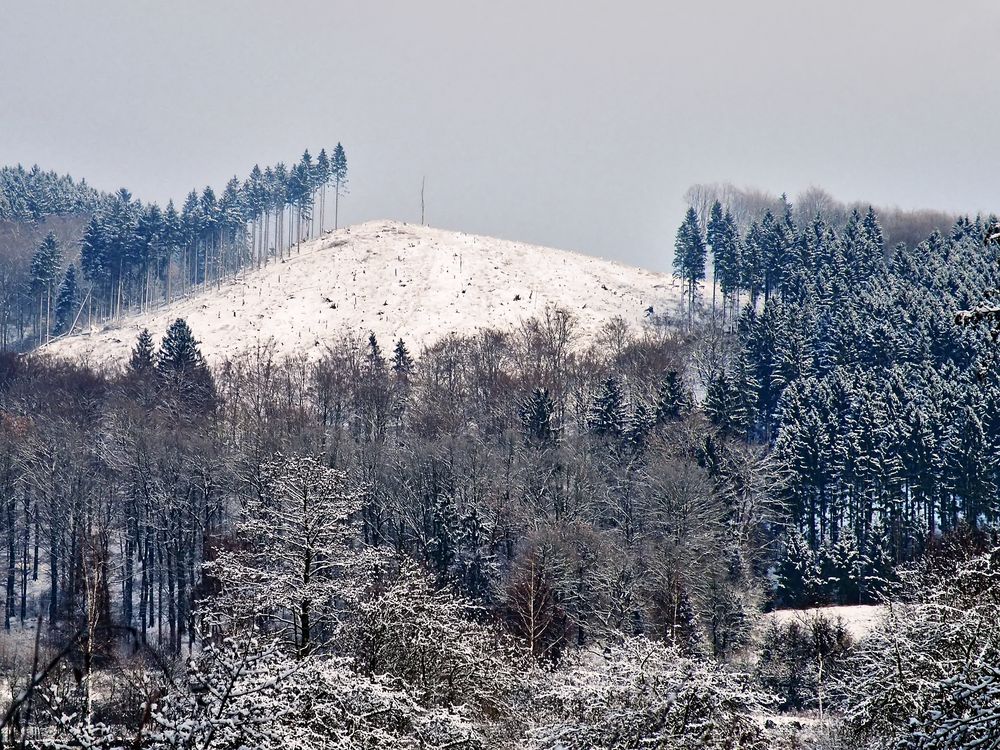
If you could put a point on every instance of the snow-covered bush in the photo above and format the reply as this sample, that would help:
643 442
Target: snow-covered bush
251 692
929 676
429 641
645 694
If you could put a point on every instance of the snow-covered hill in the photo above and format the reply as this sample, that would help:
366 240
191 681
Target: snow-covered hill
398 280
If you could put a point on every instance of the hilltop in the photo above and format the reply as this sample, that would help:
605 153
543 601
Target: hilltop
396 280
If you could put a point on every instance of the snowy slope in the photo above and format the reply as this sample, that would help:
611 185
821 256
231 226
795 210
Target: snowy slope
397 280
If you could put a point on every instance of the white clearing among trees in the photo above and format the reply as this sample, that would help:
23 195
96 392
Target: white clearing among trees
397 280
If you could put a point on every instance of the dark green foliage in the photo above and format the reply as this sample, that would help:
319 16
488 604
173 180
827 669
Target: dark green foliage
338 176
608 412
638 428
879 409
375 362
67 302
402 362
801 660
45 265
182 367
143 358
838 573
538 418
673 399
179 351
689 257
31 195
729 405
131 251
338 168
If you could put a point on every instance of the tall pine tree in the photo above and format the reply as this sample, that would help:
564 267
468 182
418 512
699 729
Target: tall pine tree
689 258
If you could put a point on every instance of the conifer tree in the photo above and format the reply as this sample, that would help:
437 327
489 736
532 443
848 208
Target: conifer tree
172 240
402 362
179 351
538 417
729 403
672 400
324 170
143 359
726 257
182 367
638 427
67 300
93 253
689 257
374 392
799 579
338 171
44 269
715 232
375 360
607 413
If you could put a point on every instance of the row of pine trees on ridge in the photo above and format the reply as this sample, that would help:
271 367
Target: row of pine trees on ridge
134 255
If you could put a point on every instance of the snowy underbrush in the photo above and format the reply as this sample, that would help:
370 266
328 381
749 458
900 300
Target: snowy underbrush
929 676
248 691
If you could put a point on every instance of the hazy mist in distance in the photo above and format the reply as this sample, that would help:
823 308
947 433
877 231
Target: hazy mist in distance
567 123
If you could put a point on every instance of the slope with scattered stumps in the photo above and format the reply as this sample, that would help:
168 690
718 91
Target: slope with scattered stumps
398 281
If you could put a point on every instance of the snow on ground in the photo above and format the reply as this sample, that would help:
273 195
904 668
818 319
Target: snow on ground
398 280
859 619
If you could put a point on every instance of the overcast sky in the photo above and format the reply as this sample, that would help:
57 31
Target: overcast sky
574 124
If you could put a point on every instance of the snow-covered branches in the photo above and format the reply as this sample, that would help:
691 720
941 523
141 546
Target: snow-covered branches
293 551
430 640
645 694
928 677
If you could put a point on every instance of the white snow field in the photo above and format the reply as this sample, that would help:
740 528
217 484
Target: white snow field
858 619
396 280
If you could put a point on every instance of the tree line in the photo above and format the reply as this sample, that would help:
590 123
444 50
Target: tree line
133 255
31 195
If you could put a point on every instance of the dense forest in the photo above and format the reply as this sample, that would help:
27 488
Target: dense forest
513 538
73 258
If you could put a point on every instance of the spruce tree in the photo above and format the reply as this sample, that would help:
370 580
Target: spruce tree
799 578
715 234
638 427
182 367
179 350
375 360
752 263
402 362
538 417
44 268
324 171
672 400
172 240
689 257
143 359
607 413
726 257
93 253
338 170
875 241
67 301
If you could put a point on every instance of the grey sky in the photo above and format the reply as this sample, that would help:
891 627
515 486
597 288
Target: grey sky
572 124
